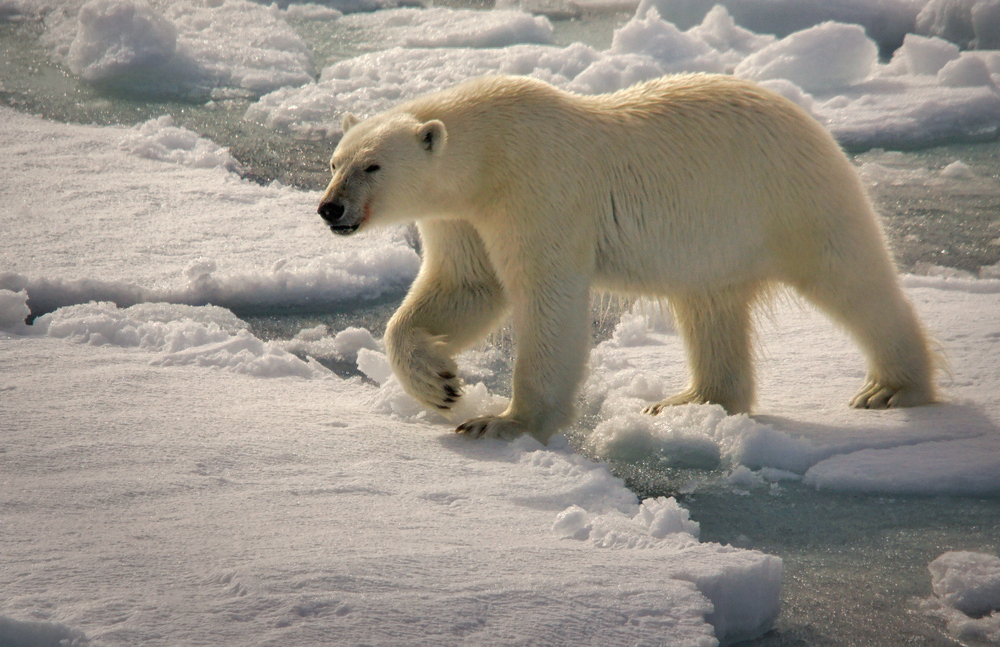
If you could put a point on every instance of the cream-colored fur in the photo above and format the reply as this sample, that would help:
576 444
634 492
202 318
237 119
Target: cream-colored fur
706 190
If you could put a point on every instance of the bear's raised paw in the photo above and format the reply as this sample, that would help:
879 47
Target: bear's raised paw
440 390
424 370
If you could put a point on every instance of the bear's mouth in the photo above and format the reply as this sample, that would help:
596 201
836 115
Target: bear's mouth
348 229
345 230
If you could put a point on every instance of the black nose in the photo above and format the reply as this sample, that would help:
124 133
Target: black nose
332 212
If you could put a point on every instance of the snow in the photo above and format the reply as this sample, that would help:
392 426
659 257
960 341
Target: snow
13 311
831 56
928 93
169 226
885 21
969 582
966 71
184 48
958 170
16 10
192 48
181 504
207 336
966 594
115 37
922 55
345 345
720 32
443 27
948 449
159 139
310 11
969 23
242 44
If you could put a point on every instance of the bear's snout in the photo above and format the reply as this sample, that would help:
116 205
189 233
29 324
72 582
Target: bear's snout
333 213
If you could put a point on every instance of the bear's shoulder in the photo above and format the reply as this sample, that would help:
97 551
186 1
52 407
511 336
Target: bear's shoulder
494 91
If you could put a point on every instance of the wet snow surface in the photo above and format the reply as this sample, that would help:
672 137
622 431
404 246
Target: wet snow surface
201 441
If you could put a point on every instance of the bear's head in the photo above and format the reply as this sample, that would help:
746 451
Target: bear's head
383 171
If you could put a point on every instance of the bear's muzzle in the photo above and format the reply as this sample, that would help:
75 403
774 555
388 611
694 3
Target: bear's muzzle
333 213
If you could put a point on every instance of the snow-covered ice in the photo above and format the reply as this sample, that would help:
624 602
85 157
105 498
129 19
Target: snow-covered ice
885 21
827 57
181 48
443 27
190 48
216 507
966 595
929 92
169 477
969 23
159 139
952 448
168 233
969 582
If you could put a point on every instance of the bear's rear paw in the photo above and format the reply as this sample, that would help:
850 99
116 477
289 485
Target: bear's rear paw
875 395
732 404
655 409
687 397
491 427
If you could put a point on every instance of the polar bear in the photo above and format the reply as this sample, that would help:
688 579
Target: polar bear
705 190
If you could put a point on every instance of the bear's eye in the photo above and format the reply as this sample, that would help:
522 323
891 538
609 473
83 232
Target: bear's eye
372 168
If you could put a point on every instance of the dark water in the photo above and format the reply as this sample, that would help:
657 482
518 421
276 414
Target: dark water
855 566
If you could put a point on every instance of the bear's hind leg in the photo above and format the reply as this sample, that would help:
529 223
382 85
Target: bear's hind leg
867 300
716 328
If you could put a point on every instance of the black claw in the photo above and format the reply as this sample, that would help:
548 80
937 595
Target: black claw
450 390
449 400
443 406
447 375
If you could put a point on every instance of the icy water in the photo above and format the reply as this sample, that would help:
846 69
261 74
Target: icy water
854 565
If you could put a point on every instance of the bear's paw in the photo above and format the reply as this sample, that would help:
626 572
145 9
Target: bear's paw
688 396
876 395
424 369
492 427
439 388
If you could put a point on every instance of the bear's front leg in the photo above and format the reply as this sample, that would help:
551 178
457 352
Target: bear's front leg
454 301
552 333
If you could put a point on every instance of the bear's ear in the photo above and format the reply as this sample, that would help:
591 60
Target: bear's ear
350 121
432 136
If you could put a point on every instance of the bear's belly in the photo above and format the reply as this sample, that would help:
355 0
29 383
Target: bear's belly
671 263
